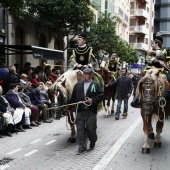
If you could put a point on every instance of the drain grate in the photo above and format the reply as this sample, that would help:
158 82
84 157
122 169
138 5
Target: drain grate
5 160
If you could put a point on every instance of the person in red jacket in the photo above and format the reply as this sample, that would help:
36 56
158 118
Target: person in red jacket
34 79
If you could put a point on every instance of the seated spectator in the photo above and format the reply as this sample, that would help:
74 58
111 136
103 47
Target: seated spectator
34 109
58 73
11 77
16 103
27 65
3 72
11 117
29 73
48 83
36 100
24 82
41 74
34 79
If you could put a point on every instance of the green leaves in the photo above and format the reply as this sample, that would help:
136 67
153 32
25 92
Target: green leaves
57 17
103 36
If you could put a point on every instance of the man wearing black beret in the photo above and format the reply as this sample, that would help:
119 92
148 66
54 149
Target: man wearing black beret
82 55
86 121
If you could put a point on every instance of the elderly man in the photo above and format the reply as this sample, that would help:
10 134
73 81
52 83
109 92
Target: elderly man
82 55
17 104
86 120
9 115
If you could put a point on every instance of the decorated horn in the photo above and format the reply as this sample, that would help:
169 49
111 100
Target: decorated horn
46 65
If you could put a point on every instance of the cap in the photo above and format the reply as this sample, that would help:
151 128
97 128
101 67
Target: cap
87 71
160 39
82 36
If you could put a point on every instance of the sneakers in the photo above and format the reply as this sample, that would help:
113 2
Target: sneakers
124 115
79 152
116 117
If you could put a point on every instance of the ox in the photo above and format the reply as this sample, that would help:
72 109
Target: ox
150 91
109 89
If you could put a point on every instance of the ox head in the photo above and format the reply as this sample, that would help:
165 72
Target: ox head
149 88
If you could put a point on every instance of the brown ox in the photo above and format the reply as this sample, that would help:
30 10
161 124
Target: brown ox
109 89
151 89
64 86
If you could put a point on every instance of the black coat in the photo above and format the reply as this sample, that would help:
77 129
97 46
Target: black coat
10 78
96 95
3 105
124 86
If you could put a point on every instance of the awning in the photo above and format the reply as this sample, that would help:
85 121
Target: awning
37 52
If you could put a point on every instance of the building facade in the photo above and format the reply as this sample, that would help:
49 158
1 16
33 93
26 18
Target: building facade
141 26
162 21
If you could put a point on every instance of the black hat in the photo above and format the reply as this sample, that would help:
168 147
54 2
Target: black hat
82 36
88 71
160 39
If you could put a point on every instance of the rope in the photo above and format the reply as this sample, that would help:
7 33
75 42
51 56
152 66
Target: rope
80 102
162 103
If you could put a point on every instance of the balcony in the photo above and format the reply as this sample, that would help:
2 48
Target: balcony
119 13
139 29
139 46
139 13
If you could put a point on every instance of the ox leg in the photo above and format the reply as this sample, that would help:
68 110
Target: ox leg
105 108
112 108
71 120
151 134
159 127
146 128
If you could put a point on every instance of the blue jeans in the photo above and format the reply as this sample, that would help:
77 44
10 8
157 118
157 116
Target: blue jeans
119 103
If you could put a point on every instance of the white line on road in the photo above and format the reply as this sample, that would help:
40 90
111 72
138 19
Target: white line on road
102 164
30 153
35 141
4 167
14 151
52 141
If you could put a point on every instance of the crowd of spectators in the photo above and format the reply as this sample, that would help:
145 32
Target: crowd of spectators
24 99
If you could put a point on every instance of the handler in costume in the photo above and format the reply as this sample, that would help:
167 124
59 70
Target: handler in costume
113 65
83 54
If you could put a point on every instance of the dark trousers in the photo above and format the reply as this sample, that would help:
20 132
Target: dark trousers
86 122
1 122
34 113
44 112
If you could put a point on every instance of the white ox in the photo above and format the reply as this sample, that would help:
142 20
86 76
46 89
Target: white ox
65 84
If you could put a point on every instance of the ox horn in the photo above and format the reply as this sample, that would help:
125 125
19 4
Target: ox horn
46 65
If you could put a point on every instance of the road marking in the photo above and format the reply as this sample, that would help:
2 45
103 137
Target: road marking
30 153
14 151
102 164
4 167
35 141
52 141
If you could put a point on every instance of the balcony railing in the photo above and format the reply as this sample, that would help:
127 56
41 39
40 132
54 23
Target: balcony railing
139 29
139 12
121 15
140 46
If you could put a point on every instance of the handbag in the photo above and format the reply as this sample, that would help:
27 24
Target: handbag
135 103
